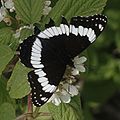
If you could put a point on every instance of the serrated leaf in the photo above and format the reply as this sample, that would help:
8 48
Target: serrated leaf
69 8
7 112
43 109
18 85
30 11
64 111
7 38
5 55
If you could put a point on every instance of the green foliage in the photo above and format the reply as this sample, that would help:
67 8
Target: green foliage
7 112
70 111
4 95
30 11
7 38
5 55
69 8
18 85
102 78
25 33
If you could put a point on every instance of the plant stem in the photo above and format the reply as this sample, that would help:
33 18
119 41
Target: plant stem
36 112
30 106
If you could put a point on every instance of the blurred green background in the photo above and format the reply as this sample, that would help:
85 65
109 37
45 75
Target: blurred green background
100 94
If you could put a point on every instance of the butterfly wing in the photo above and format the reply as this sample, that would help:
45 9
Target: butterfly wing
51 50
79 34
48 70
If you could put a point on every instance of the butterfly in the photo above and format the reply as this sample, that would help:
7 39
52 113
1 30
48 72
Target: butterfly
48 52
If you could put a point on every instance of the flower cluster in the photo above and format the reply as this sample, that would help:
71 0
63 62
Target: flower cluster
47 9
67 88
6 5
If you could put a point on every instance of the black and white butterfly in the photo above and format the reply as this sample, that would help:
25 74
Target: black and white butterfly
49 51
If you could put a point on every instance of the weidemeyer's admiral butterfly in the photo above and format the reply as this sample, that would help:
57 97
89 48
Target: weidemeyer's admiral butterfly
49 51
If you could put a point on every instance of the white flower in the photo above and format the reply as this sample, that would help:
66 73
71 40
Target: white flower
59 97
17 34
78 63
71 89
2 13
47 9
75 71
9 5
64 95
55 99
47 2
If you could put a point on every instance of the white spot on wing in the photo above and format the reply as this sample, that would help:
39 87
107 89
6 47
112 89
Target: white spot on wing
38 66
46 87
66 30
49 89
43 98
74 30
59 30
92 36
44 83
40 73
100 26
36 46
36 55
35 58
53 88
37 41
42 79
89 32
50 31
35 62
81 30
47 33
71 28
55 30
62 28
85 31
35 50
43 35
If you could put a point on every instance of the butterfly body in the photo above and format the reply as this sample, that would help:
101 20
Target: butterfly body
49 51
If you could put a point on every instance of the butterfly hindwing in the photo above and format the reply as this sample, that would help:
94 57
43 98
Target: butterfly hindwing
39 54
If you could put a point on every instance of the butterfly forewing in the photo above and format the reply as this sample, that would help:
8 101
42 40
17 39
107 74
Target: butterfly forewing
48 52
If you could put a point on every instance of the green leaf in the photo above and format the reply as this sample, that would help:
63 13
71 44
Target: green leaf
70 111
25 33
5 56
43 109
7 112
69 8
30 11
18 84
7 38
4 95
